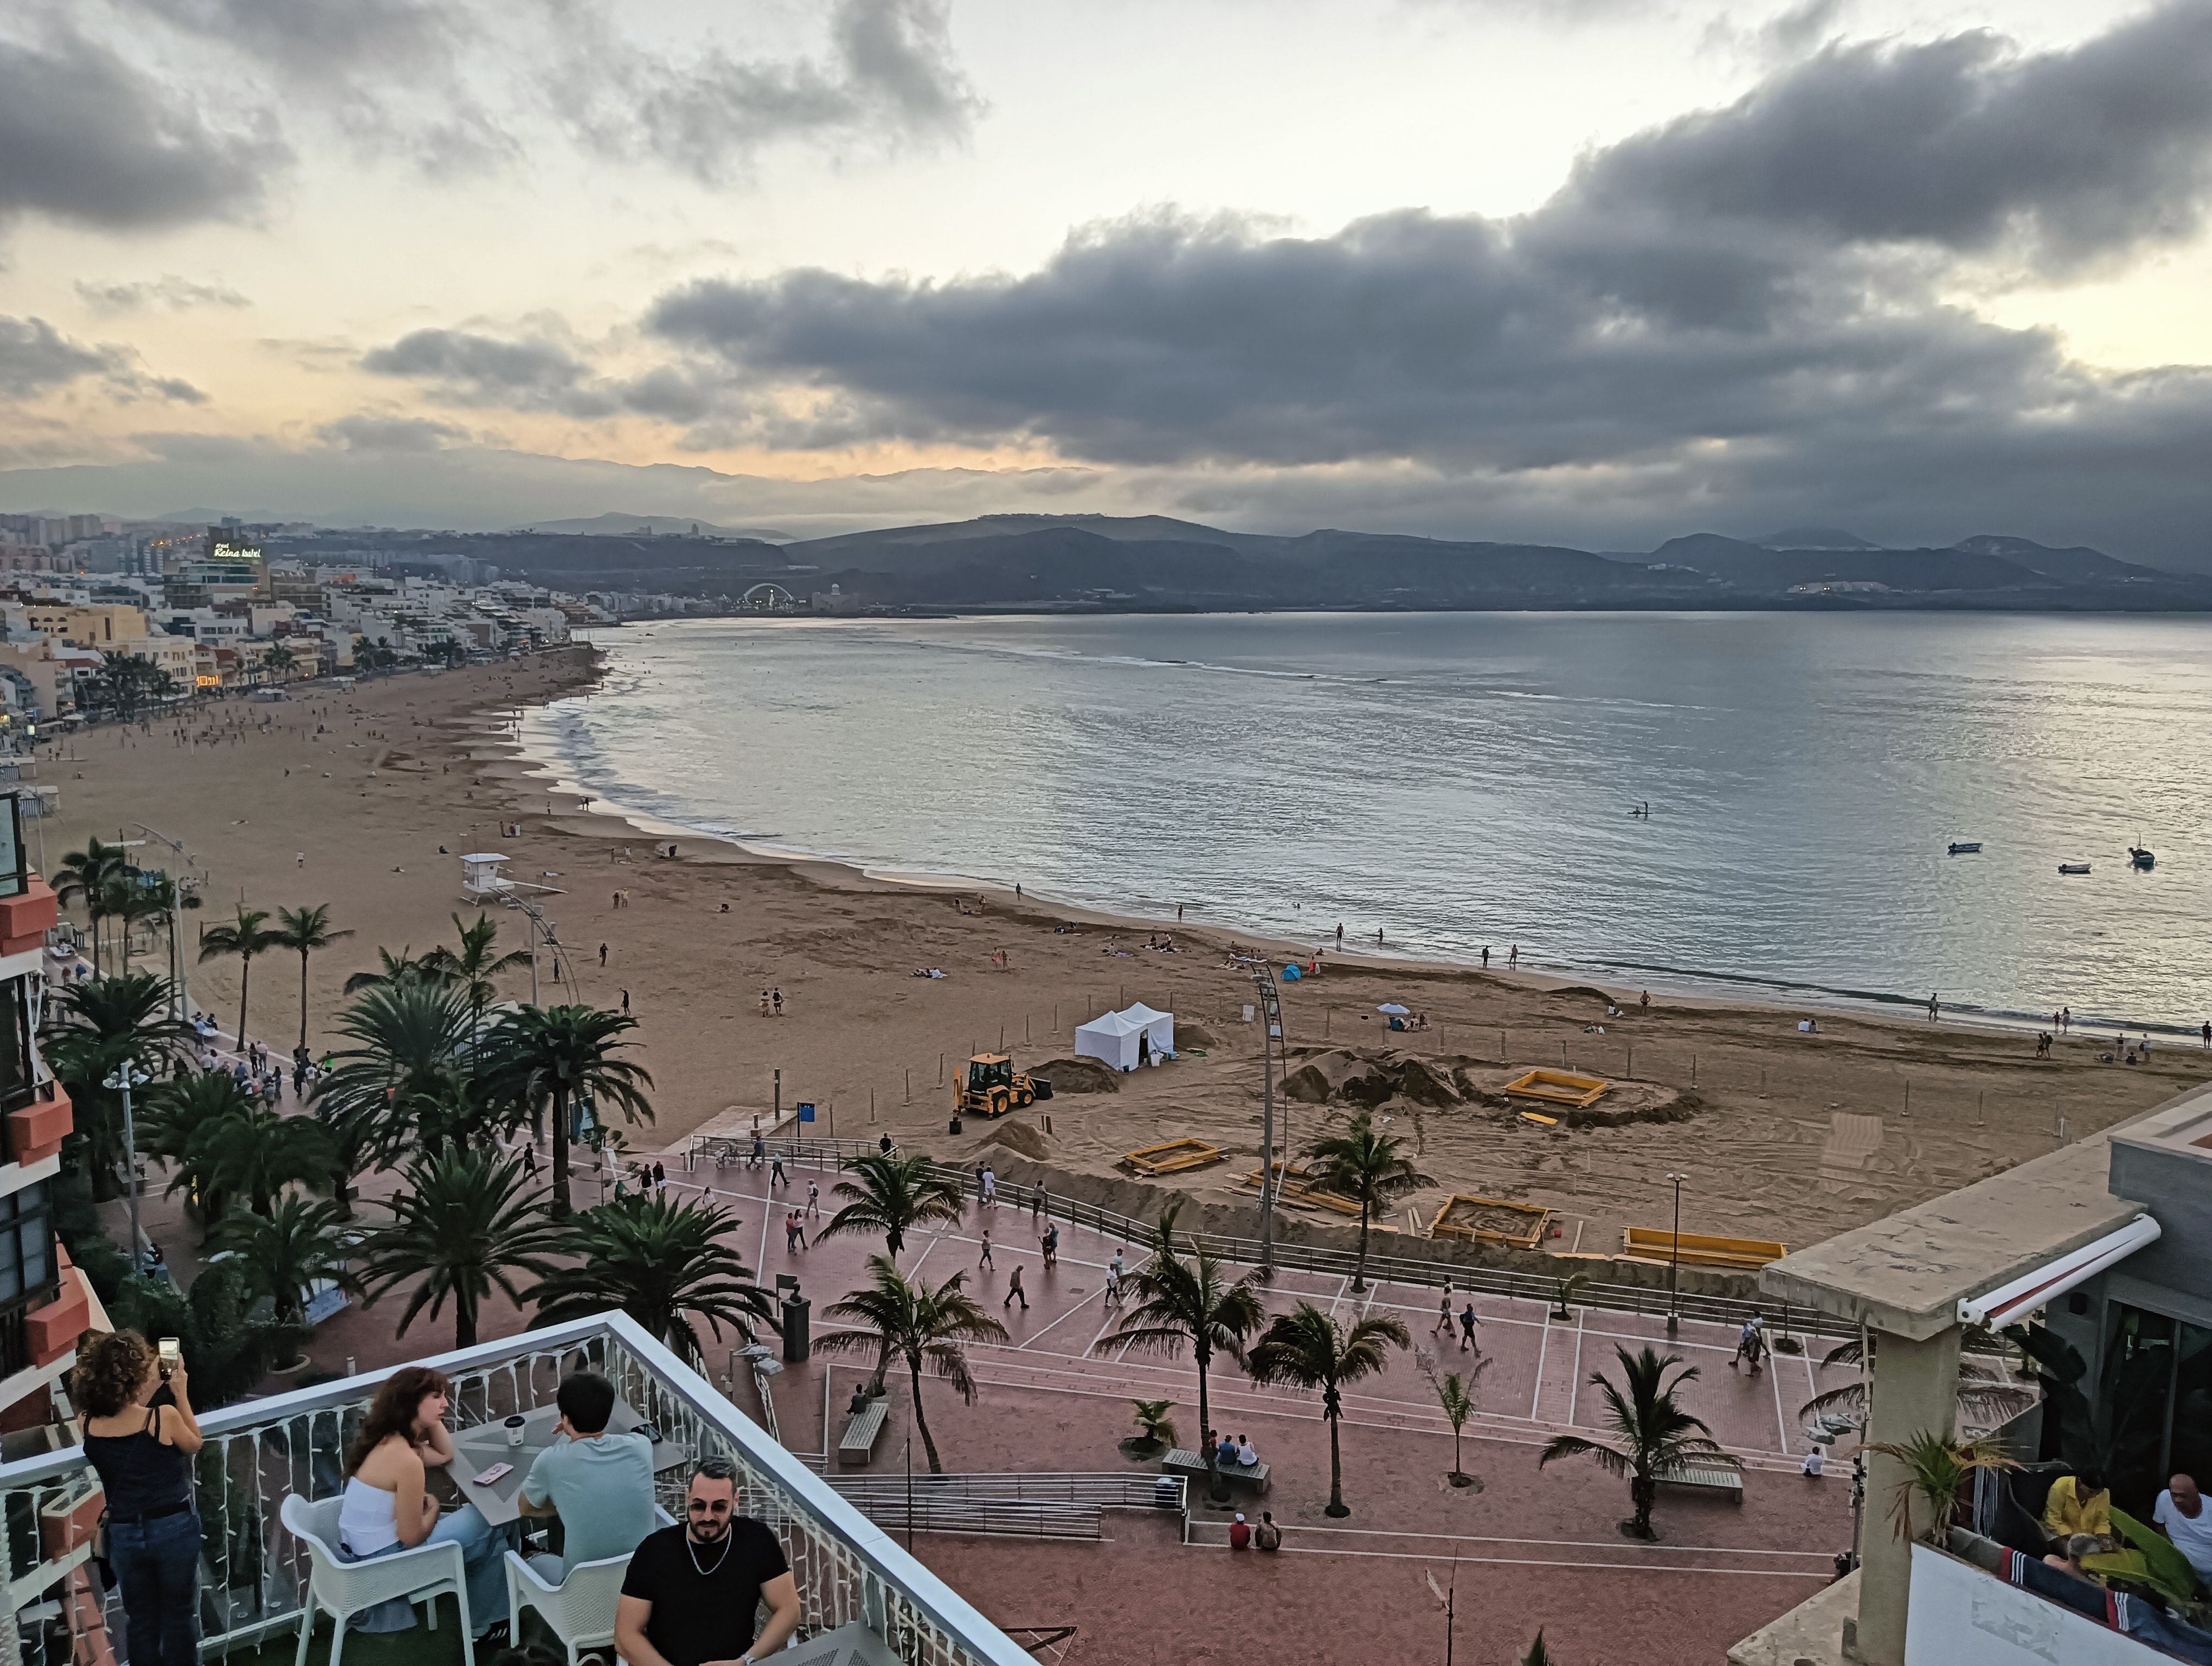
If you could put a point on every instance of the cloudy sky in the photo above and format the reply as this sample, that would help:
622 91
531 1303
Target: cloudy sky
1595 271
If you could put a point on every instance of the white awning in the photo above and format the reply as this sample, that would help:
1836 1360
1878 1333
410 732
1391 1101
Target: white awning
2012 1302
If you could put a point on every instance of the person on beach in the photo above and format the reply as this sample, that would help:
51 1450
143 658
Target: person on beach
775 997
765 1012
1486 956
2065 1020
1934 1009
603 954
1014 1291
1513 955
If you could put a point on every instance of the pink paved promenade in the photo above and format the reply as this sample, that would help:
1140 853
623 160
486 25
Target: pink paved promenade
1530 1548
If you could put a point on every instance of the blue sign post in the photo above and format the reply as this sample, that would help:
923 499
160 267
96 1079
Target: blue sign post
806 1110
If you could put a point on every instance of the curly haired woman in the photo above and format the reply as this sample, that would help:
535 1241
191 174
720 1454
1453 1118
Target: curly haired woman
142 1453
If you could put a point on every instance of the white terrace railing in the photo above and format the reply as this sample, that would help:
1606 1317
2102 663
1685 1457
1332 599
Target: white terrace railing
252 1574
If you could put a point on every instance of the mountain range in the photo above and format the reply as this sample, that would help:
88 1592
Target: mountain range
1154 562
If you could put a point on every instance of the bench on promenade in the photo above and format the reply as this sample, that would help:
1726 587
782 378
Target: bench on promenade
862 1430
1181 1462
1706 1477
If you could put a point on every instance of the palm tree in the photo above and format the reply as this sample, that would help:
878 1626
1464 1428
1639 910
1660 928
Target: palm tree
172 1121
1988 1394
1180 1300
401 968
128 897
400 1087
547 1057
1306 1349
472 969
86 875
907 1317
1938 1467
255 1154
464 1225
303 931
1363 1166
657 1262
99 1026
245 937
892 1195
297 1243
1653 1433
1455 1392
279 659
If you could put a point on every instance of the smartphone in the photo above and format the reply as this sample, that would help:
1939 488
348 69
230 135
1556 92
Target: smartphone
170 1352
492 1476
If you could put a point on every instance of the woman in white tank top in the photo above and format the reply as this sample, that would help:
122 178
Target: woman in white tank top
386 1506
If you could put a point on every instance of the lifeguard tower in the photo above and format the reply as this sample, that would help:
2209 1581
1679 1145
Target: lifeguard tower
480 880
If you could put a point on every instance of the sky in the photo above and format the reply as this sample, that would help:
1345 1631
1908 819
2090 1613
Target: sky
1595 273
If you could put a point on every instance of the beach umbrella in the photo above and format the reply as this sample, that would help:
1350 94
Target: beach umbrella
1394 1010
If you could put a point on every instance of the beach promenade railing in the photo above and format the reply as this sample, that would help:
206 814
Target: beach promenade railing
1043 1506
1333 1262
252 1574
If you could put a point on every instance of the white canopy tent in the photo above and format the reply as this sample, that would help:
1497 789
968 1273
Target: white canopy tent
1124 1040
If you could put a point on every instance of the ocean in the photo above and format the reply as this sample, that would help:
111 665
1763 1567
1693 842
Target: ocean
1463 779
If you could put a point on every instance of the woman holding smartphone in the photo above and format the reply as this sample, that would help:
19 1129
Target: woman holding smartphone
142 1453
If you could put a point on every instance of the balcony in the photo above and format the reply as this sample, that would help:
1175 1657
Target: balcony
849 1573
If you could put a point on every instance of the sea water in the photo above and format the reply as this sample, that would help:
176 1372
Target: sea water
1458 781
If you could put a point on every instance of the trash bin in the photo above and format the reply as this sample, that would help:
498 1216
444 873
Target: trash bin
797 1340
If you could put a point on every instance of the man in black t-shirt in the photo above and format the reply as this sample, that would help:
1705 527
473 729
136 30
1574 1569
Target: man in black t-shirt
691 1590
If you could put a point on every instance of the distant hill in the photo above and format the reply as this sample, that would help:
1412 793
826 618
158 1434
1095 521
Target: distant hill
1094 563
655 527
1813 538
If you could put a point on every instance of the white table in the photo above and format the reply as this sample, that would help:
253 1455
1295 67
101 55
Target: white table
475 1449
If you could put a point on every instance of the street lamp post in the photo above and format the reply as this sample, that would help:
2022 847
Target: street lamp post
1271 1018
125 1077
1674 1263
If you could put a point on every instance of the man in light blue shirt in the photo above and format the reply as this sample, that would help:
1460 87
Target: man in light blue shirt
600 1484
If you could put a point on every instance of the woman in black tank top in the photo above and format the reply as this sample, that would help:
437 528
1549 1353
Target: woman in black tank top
142 1454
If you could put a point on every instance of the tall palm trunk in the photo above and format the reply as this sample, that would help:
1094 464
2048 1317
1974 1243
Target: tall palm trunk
1214 1489
1334 1409
303 1000
561 1204
1643 1493
1359 1273
465 1321
244 968
921 1423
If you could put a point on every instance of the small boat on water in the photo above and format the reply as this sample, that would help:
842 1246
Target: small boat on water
2140 858
2073 867
1966 847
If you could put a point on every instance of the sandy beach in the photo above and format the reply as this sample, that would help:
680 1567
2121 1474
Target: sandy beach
365 800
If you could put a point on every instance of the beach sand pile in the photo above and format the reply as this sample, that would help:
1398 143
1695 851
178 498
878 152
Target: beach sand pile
365 800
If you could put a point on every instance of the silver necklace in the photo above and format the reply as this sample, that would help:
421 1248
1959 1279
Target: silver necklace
691 1546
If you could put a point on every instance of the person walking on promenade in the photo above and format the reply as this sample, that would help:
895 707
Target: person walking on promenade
1014 1291
1050 1243
813 1199
984 1260
1444 1325
1468 1322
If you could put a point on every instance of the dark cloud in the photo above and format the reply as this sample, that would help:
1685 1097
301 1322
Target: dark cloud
889 77
36 358
369 431
84 137
2059 159
533 374
1726 303
176 294
317 37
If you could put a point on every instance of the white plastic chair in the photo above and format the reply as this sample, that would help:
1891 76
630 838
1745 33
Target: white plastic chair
344 1589
580 1610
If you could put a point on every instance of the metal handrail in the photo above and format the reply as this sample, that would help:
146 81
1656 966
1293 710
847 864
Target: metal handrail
848 1568
1403 1269
1111 1489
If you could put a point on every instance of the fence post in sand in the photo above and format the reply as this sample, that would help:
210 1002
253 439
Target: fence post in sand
1563 1055
1002 1038
1908 1095
910 1084
1693 1070
1026 1028
1631 1072
940 1070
